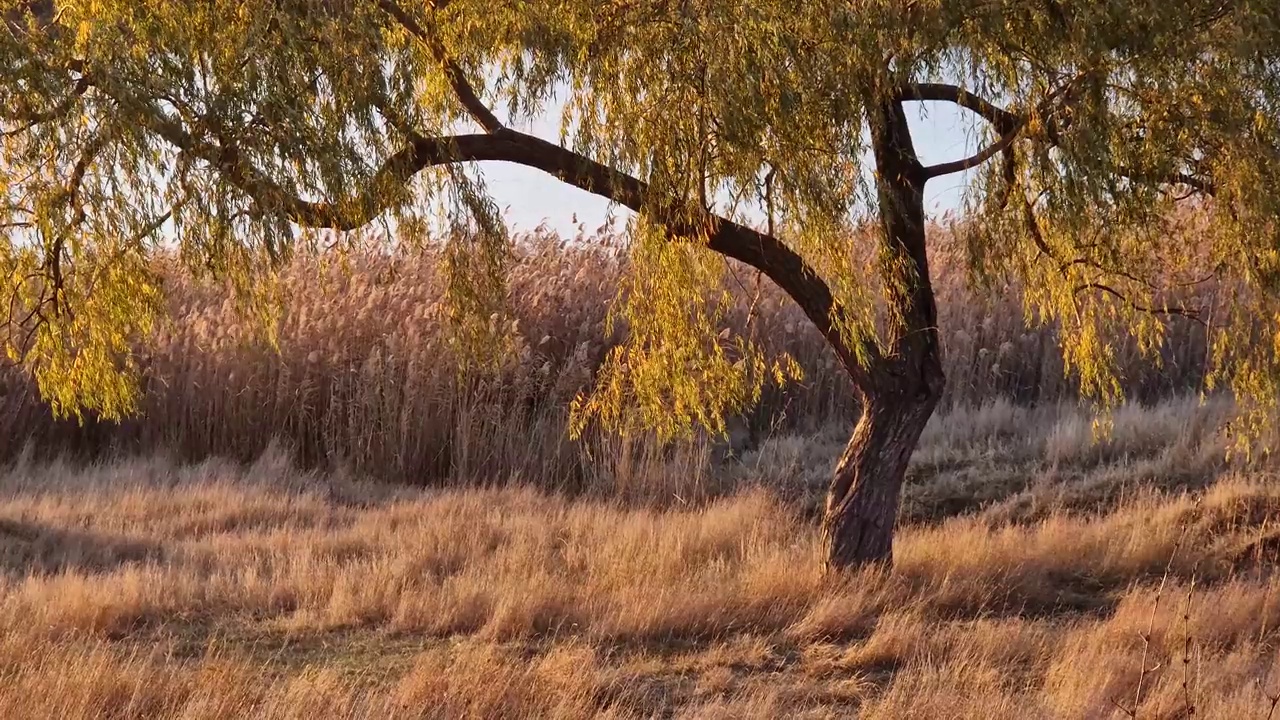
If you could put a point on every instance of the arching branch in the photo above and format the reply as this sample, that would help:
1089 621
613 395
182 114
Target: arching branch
1001 119
759 250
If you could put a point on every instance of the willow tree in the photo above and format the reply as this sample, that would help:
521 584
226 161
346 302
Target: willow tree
239 130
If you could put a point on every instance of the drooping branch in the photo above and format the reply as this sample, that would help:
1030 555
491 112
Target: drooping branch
28 119
1199 184
1032 226
1190 313
453 72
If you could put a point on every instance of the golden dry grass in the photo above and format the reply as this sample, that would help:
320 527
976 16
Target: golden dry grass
150 588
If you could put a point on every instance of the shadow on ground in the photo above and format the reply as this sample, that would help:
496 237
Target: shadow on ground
28 548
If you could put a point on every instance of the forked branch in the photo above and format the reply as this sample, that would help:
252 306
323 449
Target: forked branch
1009 126
1006 123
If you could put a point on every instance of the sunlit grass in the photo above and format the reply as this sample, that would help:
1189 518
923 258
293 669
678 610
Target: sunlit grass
145 588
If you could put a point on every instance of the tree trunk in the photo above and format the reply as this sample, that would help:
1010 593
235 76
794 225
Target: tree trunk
901 387
862 504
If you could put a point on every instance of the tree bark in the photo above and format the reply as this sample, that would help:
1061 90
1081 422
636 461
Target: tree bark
901 386
862 504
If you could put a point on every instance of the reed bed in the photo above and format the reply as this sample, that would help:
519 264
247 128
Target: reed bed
363 375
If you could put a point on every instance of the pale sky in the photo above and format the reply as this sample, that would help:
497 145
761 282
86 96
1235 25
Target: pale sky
530 197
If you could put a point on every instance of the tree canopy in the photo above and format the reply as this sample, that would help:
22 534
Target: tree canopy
237 130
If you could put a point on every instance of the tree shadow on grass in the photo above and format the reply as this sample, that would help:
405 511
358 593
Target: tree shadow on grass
29 548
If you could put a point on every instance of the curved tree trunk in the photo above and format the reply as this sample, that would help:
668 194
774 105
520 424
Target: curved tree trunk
901 387
862 504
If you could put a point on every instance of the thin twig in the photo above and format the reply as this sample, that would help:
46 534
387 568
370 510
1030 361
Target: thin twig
1146 637
1190 313
1189 705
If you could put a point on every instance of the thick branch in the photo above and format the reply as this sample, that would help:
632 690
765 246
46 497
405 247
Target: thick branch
764 252
1003 120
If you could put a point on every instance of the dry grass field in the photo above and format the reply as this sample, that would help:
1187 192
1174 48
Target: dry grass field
1038 574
